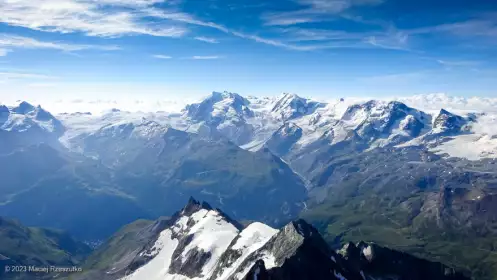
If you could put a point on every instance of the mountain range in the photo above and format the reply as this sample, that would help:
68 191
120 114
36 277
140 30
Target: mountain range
421 182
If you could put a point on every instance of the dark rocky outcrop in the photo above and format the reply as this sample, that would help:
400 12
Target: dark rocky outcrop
377 261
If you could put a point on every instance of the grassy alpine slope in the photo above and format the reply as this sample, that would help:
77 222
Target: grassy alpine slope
23 246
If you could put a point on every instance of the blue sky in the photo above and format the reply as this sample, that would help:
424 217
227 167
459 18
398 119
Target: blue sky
71 49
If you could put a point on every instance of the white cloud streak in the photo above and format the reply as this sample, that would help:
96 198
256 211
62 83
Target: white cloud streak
391 41
103 18
182 17
206 57
206 39
461 63
475 27
327 10
14 41
160 56
114 18
314 11
297 34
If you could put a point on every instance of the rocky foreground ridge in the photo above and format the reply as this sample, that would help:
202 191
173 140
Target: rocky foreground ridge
200 242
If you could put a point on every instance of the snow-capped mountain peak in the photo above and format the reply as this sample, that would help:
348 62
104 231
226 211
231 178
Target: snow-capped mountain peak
384 123
219 106
4 109
448 122
291 106
23 108
26 117
189 247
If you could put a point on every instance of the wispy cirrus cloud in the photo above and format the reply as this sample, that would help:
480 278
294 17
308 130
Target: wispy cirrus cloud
13 41
206 57
481 27
103 18
292 18
461 63
326 39
206 39
310 40
182 17
396 40
298 34
108 18
287 19
114 18
384 36
314 11
276 43
161 56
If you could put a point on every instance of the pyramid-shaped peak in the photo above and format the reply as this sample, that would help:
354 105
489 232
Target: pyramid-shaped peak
287 98
303 228
448 121
23 108
42 114
4 109
290 95
193 206
445 112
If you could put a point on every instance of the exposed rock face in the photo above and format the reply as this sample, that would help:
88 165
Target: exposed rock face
448 122
377 261
299 252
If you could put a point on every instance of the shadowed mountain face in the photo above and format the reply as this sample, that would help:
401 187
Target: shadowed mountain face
161 167
143 170
200 242
46 187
